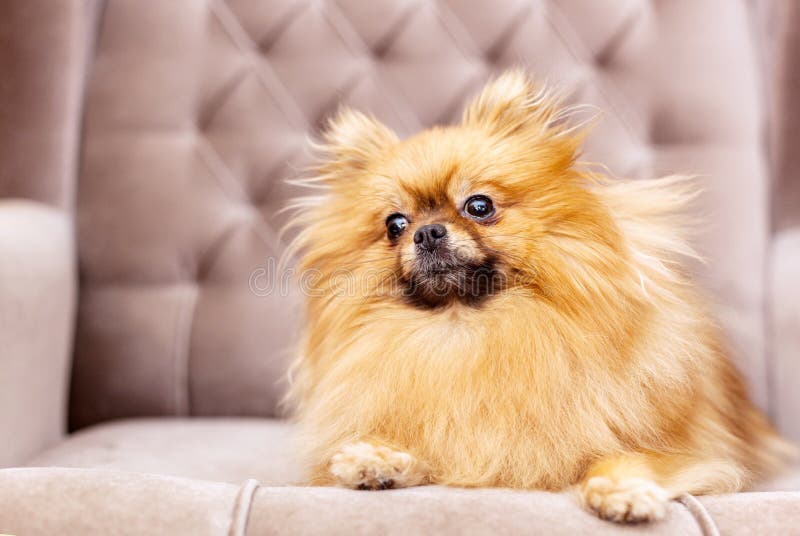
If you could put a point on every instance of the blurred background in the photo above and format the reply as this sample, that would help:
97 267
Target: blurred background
144 146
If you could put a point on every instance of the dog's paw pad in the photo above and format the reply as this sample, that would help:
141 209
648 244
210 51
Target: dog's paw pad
366 466
626 500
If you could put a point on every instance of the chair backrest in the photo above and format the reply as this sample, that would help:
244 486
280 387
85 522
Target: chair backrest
195 113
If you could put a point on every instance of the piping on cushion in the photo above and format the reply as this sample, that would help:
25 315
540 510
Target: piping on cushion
241 507
700 514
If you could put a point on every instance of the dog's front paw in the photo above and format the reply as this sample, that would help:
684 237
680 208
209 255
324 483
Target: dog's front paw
625 500
363 465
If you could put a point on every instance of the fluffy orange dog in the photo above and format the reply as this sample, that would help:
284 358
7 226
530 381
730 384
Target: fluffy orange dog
510 320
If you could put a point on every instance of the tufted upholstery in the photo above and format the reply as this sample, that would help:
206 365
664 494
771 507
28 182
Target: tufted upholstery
155 135
196 111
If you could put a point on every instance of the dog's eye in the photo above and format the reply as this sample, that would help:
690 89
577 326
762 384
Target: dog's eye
479 207
395 225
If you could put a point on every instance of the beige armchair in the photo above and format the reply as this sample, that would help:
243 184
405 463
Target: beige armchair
144 334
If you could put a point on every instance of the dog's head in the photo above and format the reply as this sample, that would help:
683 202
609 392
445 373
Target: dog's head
453 214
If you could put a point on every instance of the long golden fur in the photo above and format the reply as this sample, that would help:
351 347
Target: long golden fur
590 358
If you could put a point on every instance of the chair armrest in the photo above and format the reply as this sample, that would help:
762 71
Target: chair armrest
44 51
37 302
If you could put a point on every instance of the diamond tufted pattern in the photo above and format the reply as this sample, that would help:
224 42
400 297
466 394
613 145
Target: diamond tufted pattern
197 110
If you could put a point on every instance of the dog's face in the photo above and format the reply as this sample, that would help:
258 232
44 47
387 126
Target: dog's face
455 214
448 218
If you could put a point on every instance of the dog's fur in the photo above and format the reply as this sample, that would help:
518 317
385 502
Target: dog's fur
584 357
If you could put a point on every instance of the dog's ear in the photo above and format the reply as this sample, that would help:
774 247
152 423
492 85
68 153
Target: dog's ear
353 139
512 102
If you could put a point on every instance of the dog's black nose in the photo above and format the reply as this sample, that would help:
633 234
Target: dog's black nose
430 236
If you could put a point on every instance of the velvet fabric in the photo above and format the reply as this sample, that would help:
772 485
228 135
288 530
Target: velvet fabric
46 501
44 49
196 112
172 459
143 150
222 449
37 309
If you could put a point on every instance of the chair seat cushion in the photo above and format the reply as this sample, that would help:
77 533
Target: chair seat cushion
94 502
218 449
237 477
222 450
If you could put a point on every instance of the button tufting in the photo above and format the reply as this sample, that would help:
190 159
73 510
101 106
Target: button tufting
186 165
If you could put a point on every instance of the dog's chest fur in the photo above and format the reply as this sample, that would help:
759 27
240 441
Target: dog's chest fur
493 396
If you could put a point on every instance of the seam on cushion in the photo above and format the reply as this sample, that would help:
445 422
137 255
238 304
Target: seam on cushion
609 91
468 48
223 175
563 30
701 516
181 349
359 48
219 170
264 71
241 507
94 29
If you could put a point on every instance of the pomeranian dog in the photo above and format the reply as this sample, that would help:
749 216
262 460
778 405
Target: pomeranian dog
511 319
